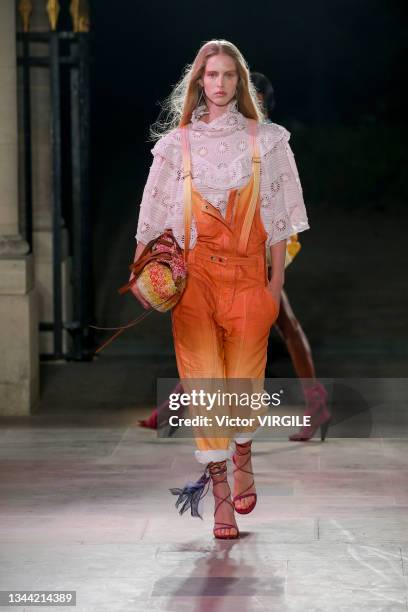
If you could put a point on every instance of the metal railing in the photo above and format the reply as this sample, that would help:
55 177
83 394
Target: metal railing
68 63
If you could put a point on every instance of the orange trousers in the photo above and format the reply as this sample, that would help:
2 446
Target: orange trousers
222 322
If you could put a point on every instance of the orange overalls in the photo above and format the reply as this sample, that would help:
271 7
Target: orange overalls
221 323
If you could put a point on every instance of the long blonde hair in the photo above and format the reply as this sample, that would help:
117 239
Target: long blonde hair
178 107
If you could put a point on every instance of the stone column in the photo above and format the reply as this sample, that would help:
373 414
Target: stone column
19 362
42 187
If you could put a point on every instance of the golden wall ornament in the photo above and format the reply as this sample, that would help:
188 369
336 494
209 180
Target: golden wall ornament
53 9
25 8
79 10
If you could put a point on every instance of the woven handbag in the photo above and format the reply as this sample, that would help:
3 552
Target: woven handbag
160 273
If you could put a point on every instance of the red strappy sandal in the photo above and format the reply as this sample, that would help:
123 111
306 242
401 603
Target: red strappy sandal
243 495
217 469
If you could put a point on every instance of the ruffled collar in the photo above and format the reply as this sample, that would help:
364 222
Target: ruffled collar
228 122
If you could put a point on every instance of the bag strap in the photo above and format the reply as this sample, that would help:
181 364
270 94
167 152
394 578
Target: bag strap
187 189
256 170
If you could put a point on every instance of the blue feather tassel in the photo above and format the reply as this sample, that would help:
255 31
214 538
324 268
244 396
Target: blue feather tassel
191 495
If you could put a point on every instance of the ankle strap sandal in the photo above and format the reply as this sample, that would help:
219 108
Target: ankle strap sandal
220 469
190 496
241 450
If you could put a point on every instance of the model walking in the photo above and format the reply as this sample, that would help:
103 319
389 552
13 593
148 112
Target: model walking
245 191
286 324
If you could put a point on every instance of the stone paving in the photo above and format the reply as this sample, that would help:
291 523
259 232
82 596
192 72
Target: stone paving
85 506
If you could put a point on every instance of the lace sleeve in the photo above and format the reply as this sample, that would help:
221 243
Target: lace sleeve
159 193
283 210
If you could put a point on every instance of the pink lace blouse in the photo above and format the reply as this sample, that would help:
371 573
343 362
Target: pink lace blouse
221 160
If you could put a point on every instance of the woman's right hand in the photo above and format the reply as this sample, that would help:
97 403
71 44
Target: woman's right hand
135 290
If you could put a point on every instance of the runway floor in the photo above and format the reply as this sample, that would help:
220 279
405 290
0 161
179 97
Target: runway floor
85 506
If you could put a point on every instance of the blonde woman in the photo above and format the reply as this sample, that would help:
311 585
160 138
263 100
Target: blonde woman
245 192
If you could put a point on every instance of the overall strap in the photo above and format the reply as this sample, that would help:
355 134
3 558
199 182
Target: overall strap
256 170
187 189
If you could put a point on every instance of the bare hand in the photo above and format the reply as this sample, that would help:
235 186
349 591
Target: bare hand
134 289
275 290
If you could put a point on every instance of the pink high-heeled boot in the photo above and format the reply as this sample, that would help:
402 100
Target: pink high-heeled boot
316 407
151 421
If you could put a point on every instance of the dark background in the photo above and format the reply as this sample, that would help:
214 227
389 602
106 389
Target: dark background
338 68
334 64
